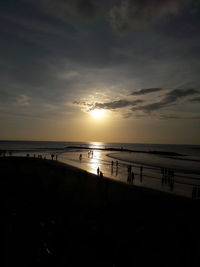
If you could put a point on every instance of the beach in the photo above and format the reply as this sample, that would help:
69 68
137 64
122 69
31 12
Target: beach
172 169
60 215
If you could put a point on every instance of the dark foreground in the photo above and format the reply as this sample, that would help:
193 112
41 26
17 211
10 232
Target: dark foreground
57 215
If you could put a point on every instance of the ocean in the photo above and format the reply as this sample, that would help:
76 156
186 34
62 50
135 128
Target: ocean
181 160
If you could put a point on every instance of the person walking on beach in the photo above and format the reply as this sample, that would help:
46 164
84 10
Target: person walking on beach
98 171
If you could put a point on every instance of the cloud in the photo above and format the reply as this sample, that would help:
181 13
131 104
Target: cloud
116 104
137 14
84 9
123 15
146 91
168 99
174 117
179 93
169 116
112 105
23 100
197 99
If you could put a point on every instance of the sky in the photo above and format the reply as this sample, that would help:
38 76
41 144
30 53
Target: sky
107 71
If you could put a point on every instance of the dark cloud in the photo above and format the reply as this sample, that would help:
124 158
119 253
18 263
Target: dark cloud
83 9
138 14
169 117
122 14
178 93
146 91
175 117
169 98
122 103
116 104
82 103
197 99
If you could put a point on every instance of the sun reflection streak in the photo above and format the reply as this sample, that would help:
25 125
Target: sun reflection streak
95 161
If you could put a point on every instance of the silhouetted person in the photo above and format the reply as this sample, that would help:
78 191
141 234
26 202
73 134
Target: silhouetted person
98 171
129 168
52 156
101 174
132 177
111 170
112 163
129 178
163 172
141 173
80 157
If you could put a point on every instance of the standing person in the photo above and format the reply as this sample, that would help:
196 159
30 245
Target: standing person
129 178
141 172
98 171
132 177
80 157
129 168
101 174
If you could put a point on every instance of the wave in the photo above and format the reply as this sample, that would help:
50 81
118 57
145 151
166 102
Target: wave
164 153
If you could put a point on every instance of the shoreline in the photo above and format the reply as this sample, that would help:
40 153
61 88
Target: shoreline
76 171
180 170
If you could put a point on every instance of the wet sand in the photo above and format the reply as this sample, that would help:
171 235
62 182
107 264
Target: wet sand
59 215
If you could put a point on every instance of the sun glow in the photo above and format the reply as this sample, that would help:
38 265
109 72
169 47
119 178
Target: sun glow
97 113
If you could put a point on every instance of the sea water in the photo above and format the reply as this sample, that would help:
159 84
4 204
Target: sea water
184 160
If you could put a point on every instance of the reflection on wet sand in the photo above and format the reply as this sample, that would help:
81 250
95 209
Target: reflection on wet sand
139 175
97 162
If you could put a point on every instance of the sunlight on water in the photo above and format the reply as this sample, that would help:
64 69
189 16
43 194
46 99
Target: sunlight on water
97 144
93 161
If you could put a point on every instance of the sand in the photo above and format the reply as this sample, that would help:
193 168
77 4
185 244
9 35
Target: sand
59 215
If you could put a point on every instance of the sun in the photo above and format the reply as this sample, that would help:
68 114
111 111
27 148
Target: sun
97 113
